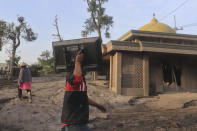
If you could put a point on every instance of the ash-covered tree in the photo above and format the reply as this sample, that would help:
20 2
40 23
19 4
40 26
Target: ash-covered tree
98 20
58 36
45 55
14 34
16 61
3 28
46 61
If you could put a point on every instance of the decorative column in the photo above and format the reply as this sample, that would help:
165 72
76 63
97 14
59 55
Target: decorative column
111 73
146 75
118 72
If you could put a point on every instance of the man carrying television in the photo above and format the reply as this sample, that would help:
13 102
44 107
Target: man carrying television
75 111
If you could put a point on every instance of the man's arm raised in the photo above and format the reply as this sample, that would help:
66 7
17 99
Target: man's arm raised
78 61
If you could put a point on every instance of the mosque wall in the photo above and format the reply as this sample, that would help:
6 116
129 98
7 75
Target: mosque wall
132 74
155 76
189 75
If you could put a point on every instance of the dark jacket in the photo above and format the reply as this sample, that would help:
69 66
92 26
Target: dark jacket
24 75
75 106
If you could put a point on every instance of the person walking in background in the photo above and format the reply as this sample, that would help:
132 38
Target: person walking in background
75 112
24 81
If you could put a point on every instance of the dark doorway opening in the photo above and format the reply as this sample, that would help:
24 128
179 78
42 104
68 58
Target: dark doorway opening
171 75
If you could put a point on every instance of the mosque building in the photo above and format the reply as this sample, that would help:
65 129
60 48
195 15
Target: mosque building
154 59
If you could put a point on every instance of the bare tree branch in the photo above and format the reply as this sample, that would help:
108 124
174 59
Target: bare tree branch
57 29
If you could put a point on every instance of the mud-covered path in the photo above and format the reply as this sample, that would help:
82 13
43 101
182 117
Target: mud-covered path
161 113
141 118
43 114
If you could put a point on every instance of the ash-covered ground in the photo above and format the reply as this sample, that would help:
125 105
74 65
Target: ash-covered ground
164 112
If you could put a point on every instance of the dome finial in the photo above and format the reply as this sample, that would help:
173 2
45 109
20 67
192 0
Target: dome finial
154 20
153 15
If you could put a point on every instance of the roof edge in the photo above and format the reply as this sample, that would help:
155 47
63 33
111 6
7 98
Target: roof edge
135 33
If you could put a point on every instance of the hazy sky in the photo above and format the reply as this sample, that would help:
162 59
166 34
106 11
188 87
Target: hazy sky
127 15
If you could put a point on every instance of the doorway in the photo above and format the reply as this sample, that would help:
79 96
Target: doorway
171 75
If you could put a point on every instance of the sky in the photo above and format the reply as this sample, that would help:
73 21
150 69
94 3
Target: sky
127 15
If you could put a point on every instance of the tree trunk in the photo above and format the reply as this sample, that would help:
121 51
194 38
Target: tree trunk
99 20
99 32
1 43
57 28
11 73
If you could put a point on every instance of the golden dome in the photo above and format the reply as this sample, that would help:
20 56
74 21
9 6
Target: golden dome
156 26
